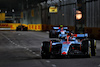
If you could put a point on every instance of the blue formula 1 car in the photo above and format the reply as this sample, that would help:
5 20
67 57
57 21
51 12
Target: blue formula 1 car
69 44
55 31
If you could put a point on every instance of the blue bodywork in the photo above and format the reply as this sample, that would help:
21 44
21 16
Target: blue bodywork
66 40
56 28
66 44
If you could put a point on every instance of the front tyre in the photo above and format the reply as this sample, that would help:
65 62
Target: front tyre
45 53
93 47
86 48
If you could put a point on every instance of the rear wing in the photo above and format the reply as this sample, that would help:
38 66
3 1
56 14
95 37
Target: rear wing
81 36
56 28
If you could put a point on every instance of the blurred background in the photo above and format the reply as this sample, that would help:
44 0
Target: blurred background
81 16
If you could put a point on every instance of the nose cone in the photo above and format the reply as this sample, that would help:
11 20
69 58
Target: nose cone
64 53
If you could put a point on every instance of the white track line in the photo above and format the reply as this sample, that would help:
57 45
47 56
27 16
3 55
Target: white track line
53 65
20 45
33 52
24 47
19 34
99 65
27 49
30 50
37 55
47 61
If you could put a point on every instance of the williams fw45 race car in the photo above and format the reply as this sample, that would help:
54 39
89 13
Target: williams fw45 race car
21 28
56 30
69 44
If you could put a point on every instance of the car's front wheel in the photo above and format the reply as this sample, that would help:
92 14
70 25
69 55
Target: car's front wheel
86 48
45 53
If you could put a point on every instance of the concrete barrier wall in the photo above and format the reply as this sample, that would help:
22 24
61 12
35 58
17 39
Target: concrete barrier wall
93 32
10 26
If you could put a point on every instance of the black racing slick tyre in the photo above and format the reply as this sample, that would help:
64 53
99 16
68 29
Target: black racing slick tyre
45 53
93 47
52 34
86 48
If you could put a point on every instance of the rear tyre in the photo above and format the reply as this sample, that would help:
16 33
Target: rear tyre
52 34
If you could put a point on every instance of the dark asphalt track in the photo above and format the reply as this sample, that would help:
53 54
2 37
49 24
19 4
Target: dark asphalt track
22 49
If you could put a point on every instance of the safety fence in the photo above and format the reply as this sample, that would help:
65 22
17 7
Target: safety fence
35 27
9 26
93 32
